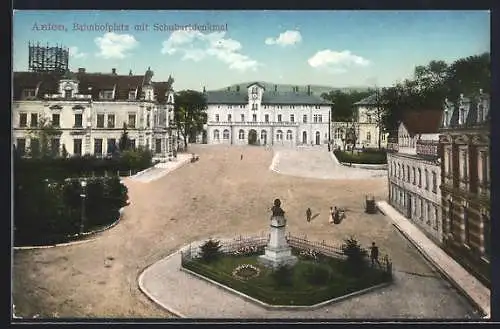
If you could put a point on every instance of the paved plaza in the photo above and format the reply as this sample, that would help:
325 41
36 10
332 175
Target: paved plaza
221 195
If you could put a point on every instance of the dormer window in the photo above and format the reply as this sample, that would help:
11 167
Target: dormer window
106 94
131 95
68 93
446 119
462 116
480 113
29 93
170 99
255 90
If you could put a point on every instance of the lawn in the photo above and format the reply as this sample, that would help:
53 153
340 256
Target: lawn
309 282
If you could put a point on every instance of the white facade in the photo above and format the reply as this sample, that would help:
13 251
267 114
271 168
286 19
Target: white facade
89 126
273 122
414 181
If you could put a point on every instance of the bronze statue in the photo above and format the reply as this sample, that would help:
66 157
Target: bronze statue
276 209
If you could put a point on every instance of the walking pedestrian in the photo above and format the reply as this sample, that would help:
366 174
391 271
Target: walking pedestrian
332 214
374 254
241 157
308 214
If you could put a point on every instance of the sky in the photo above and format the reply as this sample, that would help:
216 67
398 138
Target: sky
214 49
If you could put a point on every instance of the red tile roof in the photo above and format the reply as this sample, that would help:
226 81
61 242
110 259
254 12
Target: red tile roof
423 121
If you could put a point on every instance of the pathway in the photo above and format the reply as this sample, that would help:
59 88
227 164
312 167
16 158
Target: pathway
161 169
464 281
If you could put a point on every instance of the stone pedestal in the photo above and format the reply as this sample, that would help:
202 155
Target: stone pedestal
278 252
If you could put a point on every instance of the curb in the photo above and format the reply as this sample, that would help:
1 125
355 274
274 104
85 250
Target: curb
334 158
66 244
285 307
485 313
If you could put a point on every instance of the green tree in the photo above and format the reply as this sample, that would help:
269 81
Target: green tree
44 133
124 143
189 113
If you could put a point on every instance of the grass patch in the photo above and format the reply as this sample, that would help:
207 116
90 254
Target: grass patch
309 282
371 157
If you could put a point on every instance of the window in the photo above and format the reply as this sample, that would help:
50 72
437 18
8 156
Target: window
255 90
368 136
486 235
77 146
480 111
56 119
304 118
426 179
466 226
254 117
21 146
148 119
403 168
225 134
216 134
436 218
383 137
27 93
315 118
462 116
279 117
434 182
266 117
419 177
229 106
368 118
242 118
216 118
451 215
78 120
241 134
229 118
98 146
106 94
132 144
292 118
399 170
320 118
111 120
254 107
68 93
111 146
23 120
263 136
34 146
289 135
464 165
131 95
34 120
100 121
131 120
55 144
158 145
414 176
422 209
279 135
408 173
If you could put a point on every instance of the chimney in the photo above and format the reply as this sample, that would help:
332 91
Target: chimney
81 70
113 71
204 90
275 88
309 89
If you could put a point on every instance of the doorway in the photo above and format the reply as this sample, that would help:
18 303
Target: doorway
252 137
318 136
304 137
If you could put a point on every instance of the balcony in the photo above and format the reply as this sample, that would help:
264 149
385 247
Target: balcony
427 147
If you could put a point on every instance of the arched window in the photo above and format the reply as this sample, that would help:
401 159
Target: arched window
279 135
263 135
254 90
225 134
216 134
241 134
368 137
289 135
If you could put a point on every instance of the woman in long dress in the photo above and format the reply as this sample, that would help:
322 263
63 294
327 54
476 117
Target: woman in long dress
332 214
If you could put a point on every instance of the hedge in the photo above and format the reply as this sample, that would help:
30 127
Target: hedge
370 157
47 212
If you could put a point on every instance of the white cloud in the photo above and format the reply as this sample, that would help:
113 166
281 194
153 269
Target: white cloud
196 46
286 38
75 53
336 61
113 45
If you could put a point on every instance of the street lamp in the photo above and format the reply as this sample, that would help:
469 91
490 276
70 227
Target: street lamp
83 196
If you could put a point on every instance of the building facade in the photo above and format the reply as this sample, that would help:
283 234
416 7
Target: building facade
466 183
414 172
89 111
266 117
367 130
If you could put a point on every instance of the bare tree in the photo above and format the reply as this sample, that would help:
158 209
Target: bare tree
378 112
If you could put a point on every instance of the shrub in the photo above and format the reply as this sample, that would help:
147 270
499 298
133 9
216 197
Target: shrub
317 275
283 276
355 255
362 157
210 250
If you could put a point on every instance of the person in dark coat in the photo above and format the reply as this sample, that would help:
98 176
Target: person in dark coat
308 214
374 254
241 157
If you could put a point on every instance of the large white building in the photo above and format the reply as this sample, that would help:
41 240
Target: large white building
89 111
266 117
415 174
365 126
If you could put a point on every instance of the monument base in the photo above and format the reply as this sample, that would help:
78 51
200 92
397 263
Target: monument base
276 257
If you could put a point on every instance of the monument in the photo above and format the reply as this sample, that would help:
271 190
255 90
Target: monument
277 252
